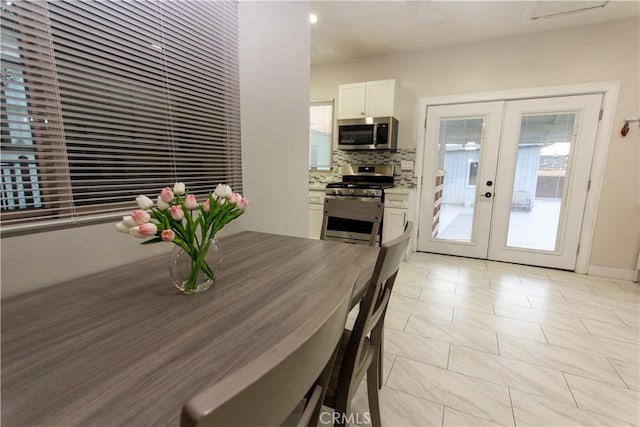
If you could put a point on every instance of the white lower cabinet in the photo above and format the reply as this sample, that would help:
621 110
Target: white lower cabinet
394 222
315 209
398 209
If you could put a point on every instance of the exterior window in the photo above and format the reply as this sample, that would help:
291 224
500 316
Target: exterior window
320 135
103 101
472 173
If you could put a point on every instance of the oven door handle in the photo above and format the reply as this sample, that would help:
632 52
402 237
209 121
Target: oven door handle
363 198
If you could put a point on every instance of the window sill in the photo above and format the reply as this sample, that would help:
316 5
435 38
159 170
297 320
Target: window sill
320 172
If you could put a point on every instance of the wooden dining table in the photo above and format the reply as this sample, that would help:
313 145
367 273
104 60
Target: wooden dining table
125 348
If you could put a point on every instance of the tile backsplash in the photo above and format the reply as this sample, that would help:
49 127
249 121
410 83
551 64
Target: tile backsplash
341 157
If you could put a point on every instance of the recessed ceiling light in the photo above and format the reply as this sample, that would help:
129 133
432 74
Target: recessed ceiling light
313 18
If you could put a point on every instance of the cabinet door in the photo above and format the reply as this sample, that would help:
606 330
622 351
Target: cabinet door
351 101
380 98
315 220
394 221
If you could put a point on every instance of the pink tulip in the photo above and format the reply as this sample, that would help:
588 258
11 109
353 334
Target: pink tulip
168 235
190 202
242 204
167 195
234 198
177 213
144 230
140 216
148 229
206 206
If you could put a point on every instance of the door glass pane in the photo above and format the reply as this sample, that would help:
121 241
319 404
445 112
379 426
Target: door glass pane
539 182
458 166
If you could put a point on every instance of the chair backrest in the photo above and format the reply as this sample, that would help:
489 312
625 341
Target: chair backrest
373 308
267 390
356 210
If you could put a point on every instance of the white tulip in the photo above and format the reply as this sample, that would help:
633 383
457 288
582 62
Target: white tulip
144 202
128 221
223 190
162 205
135 232
122 227
179 188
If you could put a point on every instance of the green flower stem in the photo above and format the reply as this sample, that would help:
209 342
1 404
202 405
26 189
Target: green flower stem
198 264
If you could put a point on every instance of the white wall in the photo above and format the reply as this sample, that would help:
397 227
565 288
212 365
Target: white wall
603 52
274 89
274 78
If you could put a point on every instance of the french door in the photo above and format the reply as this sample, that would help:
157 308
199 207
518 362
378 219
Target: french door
508 180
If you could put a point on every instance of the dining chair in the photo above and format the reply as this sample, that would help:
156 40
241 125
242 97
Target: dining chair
357 210
361 348
268 390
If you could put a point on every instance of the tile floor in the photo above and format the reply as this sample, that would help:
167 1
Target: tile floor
480 343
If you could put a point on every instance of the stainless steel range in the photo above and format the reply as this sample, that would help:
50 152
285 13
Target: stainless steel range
364 182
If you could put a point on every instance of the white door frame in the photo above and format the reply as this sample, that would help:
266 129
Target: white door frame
608 89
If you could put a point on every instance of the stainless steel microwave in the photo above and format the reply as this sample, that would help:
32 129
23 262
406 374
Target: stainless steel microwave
371 133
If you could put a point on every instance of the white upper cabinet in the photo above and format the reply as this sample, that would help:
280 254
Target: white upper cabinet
367 99
351 100
380 98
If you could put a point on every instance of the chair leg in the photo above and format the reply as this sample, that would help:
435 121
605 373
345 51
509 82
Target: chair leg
344 409
381 360
372 394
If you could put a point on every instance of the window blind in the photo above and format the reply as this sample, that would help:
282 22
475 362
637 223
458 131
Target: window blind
102 101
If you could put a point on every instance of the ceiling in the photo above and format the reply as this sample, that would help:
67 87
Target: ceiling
349 30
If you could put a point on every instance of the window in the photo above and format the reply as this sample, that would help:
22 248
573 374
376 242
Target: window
320 135
102 101
472 173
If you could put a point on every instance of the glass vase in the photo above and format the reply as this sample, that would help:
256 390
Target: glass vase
194 273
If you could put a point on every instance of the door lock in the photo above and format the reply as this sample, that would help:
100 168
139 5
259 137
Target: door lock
489 183
488 194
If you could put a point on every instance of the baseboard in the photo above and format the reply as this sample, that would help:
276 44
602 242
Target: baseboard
611 273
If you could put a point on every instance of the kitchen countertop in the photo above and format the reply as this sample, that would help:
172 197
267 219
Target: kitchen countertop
393 190
399 190
316 187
